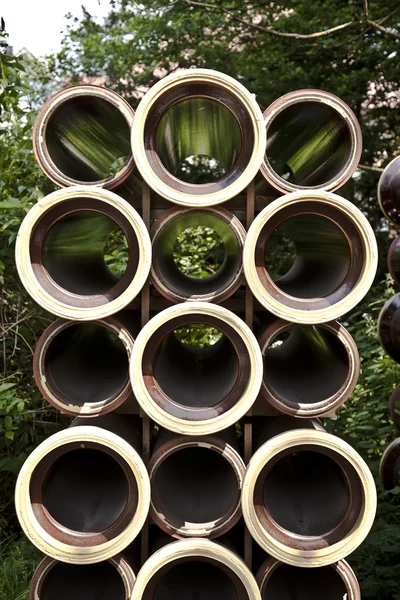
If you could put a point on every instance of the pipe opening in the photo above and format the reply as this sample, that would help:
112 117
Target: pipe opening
298 492
196 366
88 139
294 583
195 485
308 144
308 256
194 578
198 140
305 365
198 254
86 363
85 490
82 582
86 253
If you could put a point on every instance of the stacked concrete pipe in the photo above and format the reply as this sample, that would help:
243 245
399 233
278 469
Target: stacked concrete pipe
197 139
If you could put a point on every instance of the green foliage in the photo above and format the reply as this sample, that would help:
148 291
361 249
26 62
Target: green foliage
199 251
19 560
198 336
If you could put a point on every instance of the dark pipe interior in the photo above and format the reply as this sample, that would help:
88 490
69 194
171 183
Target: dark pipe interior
294 583
308 144
195 485
308 256
227 254
299 491
198 140
86 363
100 581
74 252
194 580
88 138
194 376
85 490
305 364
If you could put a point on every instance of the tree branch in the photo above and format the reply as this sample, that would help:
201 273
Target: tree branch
367 168
357 22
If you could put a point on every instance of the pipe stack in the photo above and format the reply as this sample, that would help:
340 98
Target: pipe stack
388 321
195 450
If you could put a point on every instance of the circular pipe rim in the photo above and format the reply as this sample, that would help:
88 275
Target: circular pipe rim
322 556
391 210
39 132
214 444
387 464
386 335
327 405
161 284
342 567
228 84
331 312
89 409
394 250
395 399
81 554
196 547
44 298
348 116
205 426
120 564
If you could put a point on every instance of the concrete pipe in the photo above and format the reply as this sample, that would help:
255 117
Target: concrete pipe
309 371
313 141
329 251
389 191
200 386
393 259
389 327
108 580
82 136
83 494
198 137
83 368
196 484
308 498
208 285
61 248
278 581
195 568
389 468
394 407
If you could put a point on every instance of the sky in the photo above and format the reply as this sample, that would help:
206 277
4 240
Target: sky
37 24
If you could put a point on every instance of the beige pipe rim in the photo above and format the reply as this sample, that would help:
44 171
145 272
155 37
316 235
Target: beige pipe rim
342 567
43 569
46 112
89 409
208 426
47 543
323 556
214 78
46 300
195 548
325 406
331 312
348 116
